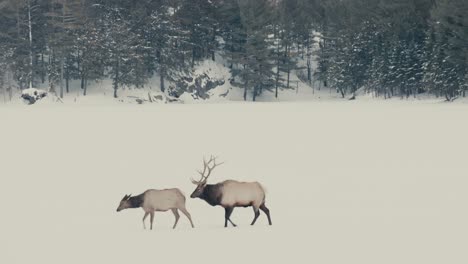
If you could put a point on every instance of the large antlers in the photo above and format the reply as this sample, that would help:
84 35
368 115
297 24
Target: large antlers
207 169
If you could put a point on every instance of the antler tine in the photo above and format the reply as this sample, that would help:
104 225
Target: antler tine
206 169
194 181
212 159
202 173
205 164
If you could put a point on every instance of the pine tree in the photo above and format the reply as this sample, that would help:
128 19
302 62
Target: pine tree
198 19
450 52
168 39
121 43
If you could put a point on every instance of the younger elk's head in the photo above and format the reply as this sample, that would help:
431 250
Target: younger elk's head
125 203
208 166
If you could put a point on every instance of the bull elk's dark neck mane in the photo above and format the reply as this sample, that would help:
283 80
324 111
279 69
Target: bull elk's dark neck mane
136 201
212 194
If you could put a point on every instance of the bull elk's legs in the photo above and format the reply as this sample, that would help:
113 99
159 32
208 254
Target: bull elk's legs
186 213
257 213
266 211
176 214
144 217
151 219
227 215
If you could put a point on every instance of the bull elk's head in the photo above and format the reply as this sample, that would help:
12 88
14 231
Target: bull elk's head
124 204
208 167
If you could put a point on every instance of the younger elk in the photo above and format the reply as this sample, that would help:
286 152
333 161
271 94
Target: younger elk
230 194
157 200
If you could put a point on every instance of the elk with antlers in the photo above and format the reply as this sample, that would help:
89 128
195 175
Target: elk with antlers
230 194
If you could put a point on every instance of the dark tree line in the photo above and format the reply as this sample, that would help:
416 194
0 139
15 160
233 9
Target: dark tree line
388 47
395 48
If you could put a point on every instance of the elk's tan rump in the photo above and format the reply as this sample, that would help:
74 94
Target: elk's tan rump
237 193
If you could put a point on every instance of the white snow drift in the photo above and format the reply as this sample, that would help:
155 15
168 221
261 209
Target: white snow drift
347 182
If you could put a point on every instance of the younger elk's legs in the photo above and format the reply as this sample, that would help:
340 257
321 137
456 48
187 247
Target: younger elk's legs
151 219
144 217
257 213
266 211
227 215
186 213
176 214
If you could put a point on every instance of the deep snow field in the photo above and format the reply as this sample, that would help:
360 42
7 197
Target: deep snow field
347 182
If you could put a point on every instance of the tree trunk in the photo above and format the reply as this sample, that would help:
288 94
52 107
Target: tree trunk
193 57
30 45
342 92
277 62
61 75
309 63
116 80
161 81
245 90
67 78
18 31
277 80
78 59
62 57
4 94
67 83
447 96
2 84
213 41
115 90
50 77
254 97
43 70
10 89
287 61
85 85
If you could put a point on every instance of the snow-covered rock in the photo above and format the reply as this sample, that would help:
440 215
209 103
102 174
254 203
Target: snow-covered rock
154 97
32 95
206 77
198 86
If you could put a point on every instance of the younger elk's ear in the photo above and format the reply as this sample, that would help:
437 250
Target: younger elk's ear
130 195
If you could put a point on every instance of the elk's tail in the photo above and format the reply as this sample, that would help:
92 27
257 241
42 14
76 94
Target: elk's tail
264 191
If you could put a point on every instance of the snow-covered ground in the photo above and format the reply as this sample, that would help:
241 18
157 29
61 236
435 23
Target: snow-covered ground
347 182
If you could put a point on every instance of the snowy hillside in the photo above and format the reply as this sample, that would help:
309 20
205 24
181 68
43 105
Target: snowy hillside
367 182
100 92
